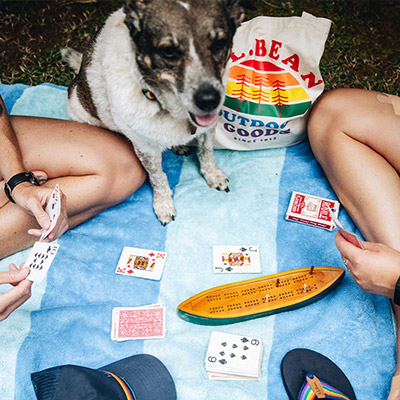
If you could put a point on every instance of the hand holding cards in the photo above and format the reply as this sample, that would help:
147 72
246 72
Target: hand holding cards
349 236
42 254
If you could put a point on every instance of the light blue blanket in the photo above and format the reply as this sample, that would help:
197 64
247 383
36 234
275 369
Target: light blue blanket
68 318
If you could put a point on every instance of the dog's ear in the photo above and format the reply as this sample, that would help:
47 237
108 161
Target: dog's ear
235 11
134 11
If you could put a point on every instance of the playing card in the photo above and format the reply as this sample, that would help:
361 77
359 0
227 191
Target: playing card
130 323
53 209
141 263
349 236
236 259
233 355
227 377
40 259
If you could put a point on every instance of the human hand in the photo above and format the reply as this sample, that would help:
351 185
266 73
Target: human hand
16 296
32 200
376 268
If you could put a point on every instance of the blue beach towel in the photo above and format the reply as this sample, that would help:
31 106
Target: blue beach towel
68 318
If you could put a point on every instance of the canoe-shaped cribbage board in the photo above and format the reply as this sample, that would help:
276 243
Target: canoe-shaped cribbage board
259 297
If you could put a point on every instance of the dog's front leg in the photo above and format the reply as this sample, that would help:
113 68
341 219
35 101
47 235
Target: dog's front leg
162 194
214 177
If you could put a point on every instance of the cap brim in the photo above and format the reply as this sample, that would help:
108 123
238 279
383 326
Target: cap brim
147 375
299 361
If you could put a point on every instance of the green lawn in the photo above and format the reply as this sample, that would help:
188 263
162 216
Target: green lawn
362 49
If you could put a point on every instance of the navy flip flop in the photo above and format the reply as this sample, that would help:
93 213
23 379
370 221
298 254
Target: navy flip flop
308 375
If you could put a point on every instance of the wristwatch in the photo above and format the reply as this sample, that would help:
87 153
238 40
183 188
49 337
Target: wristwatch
16 180
396 298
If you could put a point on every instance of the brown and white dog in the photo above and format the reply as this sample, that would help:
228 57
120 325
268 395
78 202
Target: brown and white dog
154 73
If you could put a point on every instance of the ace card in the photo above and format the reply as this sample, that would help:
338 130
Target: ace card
236 259
40 259
141 263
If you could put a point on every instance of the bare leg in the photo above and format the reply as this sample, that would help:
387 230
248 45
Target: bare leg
356 139
94 168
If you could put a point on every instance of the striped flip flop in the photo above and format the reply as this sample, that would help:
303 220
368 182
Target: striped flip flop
308 375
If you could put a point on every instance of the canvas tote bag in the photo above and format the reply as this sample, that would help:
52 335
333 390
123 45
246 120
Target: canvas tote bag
273 78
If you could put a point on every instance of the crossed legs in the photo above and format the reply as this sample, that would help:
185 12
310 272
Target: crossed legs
96 169
356 139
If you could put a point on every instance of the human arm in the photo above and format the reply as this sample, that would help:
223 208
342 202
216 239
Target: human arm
28 197
376 268
13 298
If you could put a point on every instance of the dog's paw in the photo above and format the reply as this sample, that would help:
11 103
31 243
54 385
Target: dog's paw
216 179
181 150
164 208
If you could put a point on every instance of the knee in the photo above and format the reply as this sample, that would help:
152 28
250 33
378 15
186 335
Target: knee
122 177
326 118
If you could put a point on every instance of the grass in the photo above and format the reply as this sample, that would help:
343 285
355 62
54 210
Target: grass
362 49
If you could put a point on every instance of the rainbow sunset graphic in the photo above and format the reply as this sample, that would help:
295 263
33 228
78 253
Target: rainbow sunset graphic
262 88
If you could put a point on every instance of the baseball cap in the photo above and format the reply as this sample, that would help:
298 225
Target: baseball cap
139 377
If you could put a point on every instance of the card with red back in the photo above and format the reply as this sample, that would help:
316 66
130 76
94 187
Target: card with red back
132 323
349 236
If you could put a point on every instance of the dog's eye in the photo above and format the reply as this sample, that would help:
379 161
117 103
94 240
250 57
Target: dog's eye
219 44
170 52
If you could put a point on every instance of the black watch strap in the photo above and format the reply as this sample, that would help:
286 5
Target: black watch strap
396 298
16 180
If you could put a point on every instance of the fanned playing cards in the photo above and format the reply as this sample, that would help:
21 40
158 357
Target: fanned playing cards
53 209
141 263
42 254
233 357
40 259
131 323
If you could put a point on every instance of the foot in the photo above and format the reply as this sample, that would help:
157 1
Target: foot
216 179
395 388
41 176
164 207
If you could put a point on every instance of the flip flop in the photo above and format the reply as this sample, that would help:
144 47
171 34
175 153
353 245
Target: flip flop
308 375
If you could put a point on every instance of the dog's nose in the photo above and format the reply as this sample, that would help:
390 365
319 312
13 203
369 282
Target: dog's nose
207 98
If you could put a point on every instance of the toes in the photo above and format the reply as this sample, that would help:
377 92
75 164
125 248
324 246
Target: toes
164 208
217 179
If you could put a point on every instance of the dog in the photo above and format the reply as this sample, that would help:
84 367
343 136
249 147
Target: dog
155 73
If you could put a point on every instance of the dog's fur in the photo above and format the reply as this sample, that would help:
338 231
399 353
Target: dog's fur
177 50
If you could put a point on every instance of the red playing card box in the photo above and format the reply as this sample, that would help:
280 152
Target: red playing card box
311 210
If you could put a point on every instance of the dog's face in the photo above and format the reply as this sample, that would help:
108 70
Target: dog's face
182 47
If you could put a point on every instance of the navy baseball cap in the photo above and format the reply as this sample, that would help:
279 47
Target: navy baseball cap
139 377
